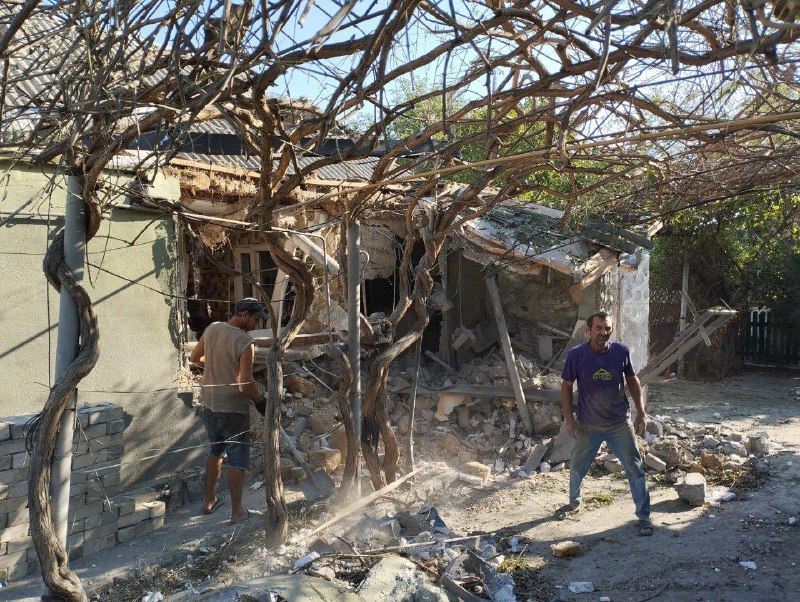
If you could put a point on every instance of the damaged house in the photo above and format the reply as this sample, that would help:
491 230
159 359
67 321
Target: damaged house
547 280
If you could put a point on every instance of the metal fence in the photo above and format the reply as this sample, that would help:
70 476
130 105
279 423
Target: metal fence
766 340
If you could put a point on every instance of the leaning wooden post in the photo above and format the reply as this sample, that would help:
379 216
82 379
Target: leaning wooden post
354 331
511 362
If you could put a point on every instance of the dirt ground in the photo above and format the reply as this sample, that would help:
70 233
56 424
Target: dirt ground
694 553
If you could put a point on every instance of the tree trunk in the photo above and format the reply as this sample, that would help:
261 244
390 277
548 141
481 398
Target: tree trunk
277 522
349 475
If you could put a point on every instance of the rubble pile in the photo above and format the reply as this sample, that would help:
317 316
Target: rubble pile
408 555
704 461
477 437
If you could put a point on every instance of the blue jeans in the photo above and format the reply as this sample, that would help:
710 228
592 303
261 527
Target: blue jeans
622 441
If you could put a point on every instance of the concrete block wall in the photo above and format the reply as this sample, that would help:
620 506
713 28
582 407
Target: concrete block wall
99 517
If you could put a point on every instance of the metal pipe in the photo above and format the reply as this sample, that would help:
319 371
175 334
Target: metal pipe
354 331
66 351
684 308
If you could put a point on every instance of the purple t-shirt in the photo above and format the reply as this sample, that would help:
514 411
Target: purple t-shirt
601 382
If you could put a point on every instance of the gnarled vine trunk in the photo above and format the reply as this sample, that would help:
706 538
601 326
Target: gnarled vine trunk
53 557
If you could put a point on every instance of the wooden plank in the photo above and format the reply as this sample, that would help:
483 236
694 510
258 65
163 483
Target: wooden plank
505 340
710 321
348 511
549 328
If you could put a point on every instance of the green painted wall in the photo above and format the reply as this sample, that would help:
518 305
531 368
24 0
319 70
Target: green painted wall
131 286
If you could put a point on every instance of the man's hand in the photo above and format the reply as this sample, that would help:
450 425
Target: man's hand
639 424
569 422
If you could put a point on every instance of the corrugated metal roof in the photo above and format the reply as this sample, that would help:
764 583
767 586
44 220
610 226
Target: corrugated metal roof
359 170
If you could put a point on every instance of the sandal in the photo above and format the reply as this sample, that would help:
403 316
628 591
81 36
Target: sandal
250 514
217 502
566 510
645 528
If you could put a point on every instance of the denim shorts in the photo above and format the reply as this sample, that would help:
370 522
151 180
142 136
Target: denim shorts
229 434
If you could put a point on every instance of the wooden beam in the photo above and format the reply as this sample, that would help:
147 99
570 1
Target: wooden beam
709 321
505 340
348 511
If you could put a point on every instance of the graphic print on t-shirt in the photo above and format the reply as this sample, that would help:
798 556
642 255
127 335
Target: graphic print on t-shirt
602 374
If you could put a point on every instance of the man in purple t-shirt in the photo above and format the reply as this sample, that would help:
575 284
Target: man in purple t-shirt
602 369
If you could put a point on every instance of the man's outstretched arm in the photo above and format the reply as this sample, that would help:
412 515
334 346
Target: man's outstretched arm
566 407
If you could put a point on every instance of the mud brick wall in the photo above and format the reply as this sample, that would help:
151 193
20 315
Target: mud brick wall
98 516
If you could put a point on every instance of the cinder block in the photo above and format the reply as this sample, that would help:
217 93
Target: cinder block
17 518
117 426
94 546
147 494
76 501
12 446
15 532
8 476
32 555
124 504
99 444
3 491
75 540
100 532
78 488
110 517
156 508
141 513
13 504
17 424
11 560
93 521
77 476
100 413
87 510
81 461
77 526
111 480
5 462
149 525
3 521
5 430
20 545
18 489
116 452
18 572
3 548
100 469
94 431
82 421
34 566
75 553
126 534
19 460
116 439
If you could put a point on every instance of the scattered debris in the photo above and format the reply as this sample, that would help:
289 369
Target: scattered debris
565 549
152 597
692 489
748 565
581 587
